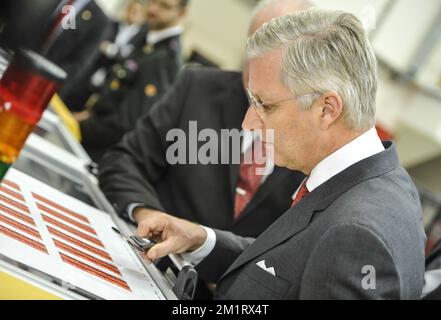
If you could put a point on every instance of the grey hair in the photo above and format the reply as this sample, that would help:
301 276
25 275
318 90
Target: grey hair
324 50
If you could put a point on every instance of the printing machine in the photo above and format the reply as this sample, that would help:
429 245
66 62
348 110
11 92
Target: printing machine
53 157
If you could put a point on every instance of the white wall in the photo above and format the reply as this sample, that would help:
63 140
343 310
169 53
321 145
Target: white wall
218 30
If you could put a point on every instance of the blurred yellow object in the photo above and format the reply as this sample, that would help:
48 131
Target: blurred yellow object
66 116
12 288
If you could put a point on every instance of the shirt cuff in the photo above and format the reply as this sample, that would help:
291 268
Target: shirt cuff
131 208
204 251
432 280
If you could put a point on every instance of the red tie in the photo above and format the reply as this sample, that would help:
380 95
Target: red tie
56 22
303 192
249 181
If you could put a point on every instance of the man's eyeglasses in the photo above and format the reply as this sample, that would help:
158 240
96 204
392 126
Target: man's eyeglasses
262 107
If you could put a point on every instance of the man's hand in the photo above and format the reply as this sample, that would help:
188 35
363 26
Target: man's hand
172 234
140 213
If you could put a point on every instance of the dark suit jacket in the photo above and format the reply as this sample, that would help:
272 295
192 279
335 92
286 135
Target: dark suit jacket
324 247
136 170
77 51
146 75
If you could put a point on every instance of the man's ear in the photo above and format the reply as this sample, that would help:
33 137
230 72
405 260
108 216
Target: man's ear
331 109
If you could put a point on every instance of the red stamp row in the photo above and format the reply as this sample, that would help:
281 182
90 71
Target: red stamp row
66 219
11 184
12 193
17 214
16 236
85 256
98 273
21 227
57 206
79 243
14 203
72 230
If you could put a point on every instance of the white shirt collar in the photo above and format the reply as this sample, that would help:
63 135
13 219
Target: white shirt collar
365 146
153 37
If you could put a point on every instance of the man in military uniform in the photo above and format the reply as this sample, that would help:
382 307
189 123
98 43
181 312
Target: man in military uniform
138 81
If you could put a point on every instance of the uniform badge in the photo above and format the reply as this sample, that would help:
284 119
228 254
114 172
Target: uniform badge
114 85
86 15
132 65
121 73
116 67
148 49
151 90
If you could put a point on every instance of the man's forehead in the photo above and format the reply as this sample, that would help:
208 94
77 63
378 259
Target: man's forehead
271 60
264 70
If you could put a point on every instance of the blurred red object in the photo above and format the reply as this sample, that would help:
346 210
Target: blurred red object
384 134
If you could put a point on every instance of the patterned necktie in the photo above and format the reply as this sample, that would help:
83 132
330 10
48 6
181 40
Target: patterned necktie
249 181
303 192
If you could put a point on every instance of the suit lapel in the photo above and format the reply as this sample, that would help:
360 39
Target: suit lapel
298 218
288 225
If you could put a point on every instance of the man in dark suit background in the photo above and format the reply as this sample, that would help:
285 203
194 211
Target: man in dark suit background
76 50
137 178
355 229
138 81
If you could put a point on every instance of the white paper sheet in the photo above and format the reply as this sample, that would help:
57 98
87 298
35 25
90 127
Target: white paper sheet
69 240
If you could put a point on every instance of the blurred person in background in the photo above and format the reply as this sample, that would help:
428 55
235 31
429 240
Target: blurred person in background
125 36
136 82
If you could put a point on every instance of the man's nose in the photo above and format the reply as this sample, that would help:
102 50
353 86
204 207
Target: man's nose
252 120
